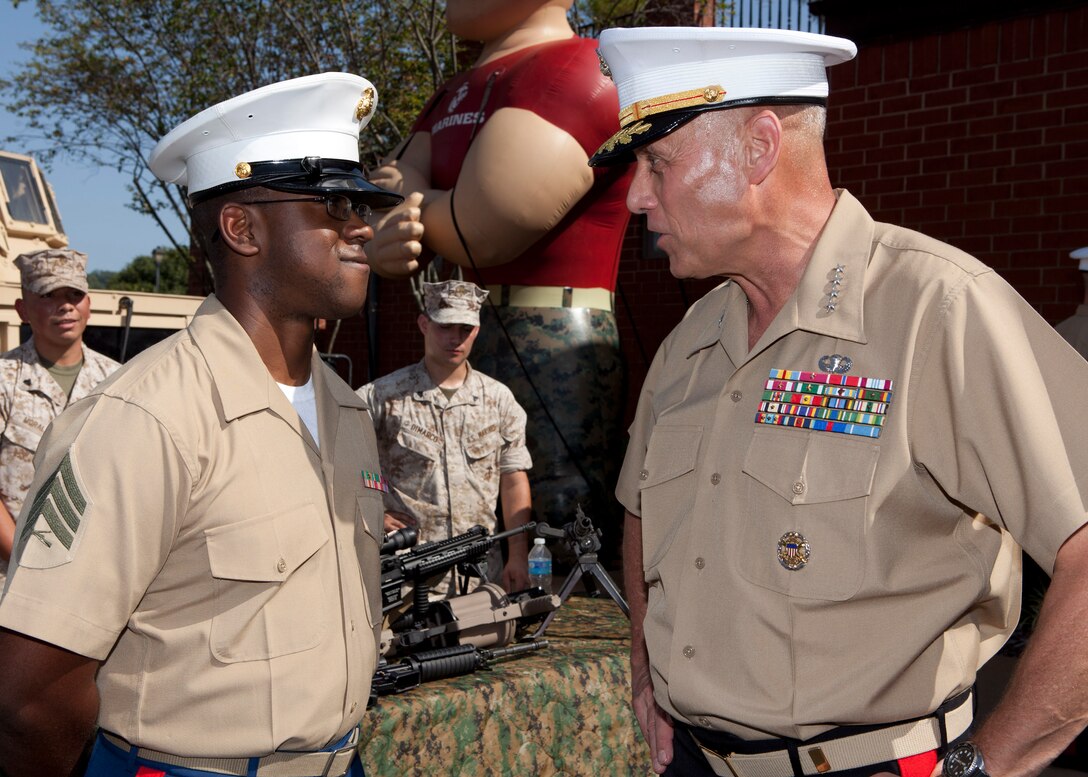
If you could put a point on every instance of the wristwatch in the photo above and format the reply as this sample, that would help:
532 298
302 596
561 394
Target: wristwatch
964 760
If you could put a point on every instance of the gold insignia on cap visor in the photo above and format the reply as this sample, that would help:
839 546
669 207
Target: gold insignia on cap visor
243 170
671 102
624 136
365 105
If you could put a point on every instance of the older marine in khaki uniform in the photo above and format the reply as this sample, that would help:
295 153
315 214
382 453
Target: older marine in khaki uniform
42 376
201 540
814 581
451 439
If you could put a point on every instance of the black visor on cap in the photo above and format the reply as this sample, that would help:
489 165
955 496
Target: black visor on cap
620 148
311 175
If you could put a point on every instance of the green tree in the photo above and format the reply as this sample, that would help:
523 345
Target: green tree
168 266
111 77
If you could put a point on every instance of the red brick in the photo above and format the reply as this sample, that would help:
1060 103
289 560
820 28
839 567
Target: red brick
1031 102
1067 62
925 56
906 104
897 169
930 83
944 162
1016 40
972 144
991 125
1036 120
953 50
1032 189
946 97
929 116
1020 173
989 193
1050 82
983 46
886 89
1016 208
951 130
991 90
1035 226
975 244
899 201
1021 278
1065 204
1020 139
885 123
885 153
1027 154
1067 97
897 61
974 210
976 176
904 137
978 75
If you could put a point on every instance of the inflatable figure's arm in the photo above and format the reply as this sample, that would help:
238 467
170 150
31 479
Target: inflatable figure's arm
396 248
521 176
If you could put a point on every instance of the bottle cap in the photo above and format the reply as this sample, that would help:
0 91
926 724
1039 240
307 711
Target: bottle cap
538 541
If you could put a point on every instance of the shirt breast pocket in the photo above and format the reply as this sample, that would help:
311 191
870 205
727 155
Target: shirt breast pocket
667 489
268 584
24 433
815 485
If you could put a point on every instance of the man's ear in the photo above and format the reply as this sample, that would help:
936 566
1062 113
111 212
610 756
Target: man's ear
20 308
236 228
421 322
762 145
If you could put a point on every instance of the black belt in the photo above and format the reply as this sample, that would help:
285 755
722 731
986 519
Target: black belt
847 747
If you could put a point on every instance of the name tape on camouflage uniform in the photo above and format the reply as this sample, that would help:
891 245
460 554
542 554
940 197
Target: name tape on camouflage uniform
56 519
842 404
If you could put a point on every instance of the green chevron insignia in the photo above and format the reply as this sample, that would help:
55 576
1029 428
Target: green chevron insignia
54 518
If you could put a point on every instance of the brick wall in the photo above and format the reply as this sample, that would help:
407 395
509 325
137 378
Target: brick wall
978 137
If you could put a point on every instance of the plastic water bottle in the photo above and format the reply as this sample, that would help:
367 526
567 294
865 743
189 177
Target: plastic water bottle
540 565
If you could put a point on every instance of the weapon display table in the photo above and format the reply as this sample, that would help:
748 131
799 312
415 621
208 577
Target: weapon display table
564 710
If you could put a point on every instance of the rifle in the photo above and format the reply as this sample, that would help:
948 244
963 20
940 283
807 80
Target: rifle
485 618
412 671
420 565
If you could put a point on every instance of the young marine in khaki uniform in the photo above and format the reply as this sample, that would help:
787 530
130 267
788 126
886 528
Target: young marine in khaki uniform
813 583
451 439
41 377
200 540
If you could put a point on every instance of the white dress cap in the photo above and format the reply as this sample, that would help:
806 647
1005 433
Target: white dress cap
1081 255
318 117
666 75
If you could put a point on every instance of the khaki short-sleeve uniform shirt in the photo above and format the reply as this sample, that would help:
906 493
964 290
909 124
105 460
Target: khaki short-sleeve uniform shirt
185 530
444 457
814 555
29 401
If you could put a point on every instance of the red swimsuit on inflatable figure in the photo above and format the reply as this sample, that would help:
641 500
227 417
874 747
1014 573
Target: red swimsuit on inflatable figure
503 149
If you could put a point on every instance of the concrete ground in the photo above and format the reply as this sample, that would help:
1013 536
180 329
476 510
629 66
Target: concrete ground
991 682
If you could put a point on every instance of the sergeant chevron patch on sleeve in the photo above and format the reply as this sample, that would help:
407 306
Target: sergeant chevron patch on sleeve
55 519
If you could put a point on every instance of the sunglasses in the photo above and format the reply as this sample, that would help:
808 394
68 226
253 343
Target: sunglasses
338 206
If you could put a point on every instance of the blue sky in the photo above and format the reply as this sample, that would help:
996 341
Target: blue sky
92 200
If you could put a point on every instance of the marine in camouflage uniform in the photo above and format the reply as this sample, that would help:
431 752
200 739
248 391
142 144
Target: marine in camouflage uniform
443 451
30 396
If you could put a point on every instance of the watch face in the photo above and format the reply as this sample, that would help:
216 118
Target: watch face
961 760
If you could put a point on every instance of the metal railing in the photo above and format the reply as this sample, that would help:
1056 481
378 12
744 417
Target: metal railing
780 14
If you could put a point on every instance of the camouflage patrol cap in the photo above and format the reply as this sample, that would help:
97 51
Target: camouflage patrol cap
54 268
453 302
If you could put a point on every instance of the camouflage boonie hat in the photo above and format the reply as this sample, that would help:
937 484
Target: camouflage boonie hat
54 268
453 302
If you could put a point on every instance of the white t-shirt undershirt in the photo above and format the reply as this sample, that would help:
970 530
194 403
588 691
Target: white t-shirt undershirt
303 399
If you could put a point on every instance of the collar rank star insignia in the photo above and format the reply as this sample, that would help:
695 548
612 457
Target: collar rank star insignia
376 481
793 551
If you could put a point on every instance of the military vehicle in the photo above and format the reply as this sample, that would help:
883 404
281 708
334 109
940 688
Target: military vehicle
122 322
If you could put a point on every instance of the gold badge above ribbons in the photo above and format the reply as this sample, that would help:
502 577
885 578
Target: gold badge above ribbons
793 551
671 102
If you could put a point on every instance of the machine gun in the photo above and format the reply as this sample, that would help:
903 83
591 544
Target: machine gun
584 541
439 664
485 618
423 564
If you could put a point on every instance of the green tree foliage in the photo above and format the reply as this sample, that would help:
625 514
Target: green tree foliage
140 274
113 76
